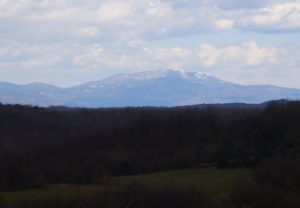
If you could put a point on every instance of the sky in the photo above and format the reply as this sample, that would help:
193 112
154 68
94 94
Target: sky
69 42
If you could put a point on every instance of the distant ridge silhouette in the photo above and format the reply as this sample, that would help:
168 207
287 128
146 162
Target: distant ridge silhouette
170 87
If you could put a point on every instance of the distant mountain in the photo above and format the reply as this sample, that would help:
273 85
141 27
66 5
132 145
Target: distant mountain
151 88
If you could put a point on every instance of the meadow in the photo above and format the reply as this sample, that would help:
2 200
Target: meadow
211 182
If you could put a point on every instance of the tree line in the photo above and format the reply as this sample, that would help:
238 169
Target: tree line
75 145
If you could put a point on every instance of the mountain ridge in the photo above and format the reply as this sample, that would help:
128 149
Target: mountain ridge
169 87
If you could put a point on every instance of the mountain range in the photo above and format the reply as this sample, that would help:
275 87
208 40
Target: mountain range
170 87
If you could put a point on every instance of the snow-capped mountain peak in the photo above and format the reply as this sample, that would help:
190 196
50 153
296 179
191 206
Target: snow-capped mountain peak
167 87
202 75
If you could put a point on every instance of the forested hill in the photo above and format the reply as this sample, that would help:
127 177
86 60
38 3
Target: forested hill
72 145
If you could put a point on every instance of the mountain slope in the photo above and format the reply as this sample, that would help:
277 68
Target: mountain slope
33 94
155 88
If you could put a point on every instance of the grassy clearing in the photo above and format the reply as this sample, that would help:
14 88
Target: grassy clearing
44 193
215 182
211 181
10 197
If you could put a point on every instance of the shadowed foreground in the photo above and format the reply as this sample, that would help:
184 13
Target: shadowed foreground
140 157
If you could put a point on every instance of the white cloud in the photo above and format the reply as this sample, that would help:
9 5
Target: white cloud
277 17
47 21
246 54
224 24
140 55
244 63
89 31
136 43
110 11
94 37
91 55
41 62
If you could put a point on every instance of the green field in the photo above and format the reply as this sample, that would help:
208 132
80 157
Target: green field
211 181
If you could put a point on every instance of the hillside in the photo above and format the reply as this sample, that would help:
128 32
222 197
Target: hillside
147 147
152 88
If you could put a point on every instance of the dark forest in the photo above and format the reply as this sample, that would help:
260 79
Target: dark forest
59 145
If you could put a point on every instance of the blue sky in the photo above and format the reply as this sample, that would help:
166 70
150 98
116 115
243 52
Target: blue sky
67 42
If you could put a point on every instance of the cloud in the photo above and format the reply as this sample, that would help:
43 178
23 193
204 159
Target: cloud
246 54
116 20
278 17
111 11
41 62
247 62
97 55
89 32
238 4
87 39
209 58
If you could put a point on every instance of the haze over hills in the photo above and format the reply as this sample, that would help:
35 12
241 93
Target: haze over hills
169 87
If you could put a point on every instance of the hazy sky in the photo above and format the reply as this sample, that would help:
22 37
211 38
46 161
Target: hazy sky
66 42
